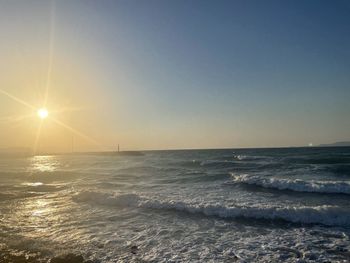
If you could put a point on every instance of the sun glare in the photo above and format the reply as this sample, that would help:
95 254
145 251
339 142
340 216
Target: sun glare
43 113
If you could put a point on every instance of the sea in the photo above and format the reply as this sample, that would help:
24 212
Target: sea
225 205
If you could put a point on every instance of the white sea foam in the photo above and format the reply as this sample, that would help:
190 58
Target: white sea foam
340 187
326 215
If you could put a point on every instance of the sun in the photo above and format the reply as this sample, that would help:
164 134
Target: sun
42 113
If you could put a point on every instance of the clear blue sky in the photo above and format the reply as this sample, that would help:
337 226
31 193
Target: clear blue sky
199 74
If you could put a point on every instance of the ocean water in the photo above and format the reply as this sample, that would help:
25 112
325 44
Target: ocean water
231 205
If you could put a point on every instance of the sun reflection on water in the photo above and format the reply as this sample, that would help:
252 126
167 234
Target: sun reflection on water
43 164
37 216
40 208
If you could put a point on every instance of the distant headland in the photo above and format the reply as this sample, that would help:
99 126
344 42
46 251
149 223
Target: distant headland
336 144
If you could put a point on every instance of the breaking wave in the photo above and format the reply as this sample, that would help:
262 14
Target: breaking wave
326 215
335 187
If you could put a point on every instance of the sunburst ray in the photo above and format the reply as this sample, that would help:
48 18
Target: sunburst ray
17 99
76 132
51 52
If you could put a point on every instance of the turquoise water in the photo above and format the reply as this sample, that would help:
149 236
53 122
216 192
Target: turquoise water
245 205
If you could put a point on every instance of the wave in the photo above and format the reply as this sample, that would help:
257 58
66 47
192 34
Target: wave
239 157
107 199
16 195
195 177
232 157
218 163
342 170
325 215
40 187
44 177
319 160
331 187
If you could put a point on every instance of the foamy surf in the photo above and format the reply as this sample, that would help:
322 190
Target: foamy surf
176 206
325 215
298 185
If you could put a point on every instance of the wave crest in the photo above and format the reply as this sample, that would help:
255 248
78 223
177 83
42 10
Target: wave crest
298 185
326 215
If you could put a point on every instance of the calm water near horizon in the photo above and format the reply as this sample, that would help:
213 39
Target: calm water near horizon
230 205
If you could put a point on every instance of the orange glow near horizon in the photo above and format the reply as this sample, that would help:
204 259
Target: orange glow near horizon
43 113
